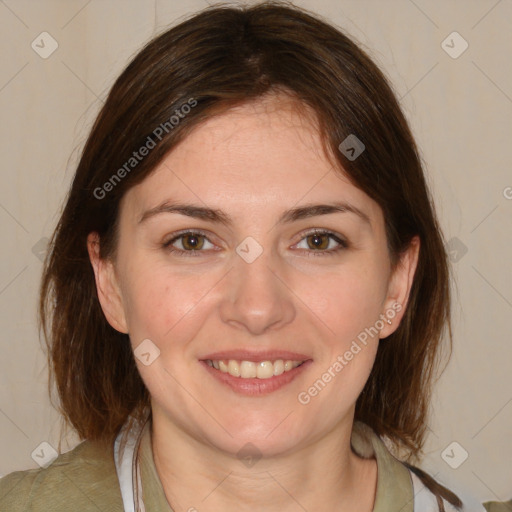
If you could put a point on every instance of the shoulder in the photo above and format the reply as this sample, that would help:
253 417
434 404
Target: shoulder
410 487
427 499
82 479
495 506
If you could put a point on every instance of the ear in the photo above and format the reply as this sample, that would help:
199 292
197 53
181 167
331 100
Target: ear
399 288
107 286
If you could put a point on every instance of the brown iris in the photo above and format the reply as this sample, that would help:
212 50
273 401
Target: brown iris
195 241
318 241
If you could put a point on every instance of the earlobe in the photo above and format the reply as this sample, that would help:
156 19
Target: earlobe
400 287
107 287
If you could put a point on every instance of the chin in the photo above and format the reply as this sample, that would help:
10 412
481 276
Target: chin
256 445
269 436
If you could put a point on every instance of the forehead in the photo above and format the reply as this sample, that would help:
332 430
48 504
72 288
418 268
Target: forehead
263 132
256 155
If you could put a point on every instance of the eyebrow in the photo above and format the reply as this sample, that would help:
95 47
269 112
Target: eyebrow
218 216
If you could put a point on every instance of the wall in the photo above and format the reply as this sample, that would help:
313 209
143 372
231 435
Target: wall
460 111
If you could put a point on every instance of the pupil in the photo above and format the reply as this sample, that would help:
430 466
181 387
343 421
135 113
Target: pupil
192 241
317 240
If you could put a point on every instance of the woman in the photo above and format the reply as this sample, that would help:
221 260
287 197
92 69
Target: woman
247 289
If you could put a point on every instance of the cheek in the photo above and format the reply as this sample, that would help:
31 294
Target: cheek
161 304
348 301
349 304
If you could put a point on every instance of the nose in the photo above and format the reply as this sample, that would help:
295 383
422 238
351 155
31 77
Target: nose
256 296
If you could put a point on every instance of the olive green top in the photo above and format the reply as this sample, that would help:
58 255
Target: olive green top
85 479
494 506
394 487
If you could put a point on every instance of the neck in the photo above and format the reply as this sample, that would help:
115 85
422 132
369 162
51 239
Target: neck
196 475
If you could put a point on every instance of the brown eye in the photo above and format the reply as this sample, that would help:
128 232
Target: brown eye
192 241
192 244
318 241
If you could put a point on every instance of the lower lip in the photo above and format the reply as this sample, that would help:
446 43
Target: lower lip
256 387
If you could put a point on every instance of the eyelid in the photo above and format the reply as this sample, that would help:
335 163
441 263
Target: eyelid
167 244
192 231
339 239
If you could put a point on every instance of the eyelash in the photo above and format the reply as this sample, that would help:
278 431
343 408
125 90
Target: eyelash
193 253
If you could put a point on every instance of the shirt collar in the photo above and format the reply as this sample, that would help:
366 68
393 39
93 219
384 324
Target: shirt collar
152 489
394 485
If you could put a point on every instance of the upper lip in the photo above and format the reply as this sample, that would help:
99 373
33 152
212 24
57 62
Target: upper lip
262 355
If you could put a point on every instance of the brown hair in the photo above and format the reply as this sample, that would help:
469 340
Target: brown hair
218 58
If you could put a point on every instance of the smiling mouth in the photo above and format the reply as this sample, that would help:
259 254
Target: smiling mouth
253 370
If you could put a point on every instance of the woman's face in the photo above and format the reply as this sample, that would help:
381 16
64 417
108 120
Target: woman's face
251 284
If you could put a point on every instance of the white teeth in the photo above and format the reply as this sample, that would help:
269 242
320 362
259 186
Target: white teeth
251 370
264 370
248 370
278 367
234 368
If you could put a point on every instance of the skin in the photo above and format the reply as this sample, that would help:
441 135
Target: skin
253 162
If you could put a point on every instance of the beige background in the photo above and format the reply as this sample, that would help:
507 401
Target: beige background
460 110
